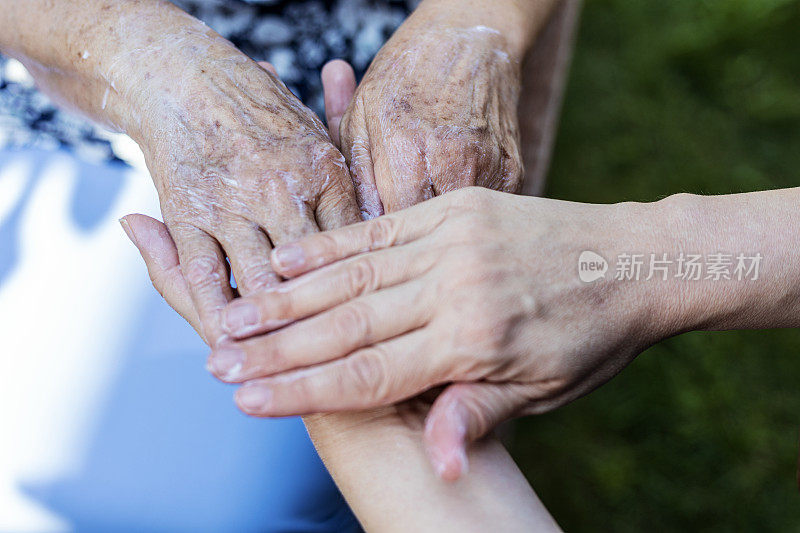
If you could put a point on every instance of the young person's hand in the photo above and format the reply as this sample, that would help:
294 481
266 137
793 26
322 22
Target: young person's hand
382 451
480 291
477 288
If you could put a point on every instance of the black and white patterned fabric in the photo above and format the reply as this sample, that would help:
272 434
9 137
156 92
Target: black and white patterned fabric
298 37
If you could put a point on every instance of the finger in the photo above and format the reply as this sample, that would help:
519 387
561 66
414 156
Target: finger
269 67
383 232
289 221
248 250
356 148
463 413
154 243
323 289
286 215
206 272
325 337
467 158
382 374
401 171
338 206
339 86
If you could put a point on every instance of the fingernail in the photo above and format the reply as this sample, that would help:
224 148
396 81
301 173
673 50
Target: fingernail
128 231
461 460
240 317
449 463
451 467
439 466
254 398
289 256
226 362
437 460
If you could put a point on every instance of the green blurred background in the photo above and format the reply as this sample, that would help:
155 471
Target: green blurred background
701 431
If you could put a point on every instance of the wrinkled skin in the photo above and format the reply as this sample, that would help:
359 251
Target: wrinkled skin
158 249
240 164
436 111
477 288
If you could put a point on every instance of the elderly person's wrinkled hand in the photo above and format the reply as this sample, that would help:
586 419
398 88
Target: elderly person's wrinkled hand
239 163
437 109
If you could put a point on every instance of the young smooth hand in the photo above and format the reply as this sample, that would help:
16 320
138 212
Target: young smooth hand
477 290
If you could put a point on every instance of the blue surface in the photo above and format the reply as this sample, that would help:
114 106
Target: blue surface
171 451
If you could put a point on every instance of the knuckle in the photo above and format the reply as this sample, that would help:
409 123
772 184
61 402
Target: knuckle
368 375
382 232
202 270
468 259
460 136
548 388
256 277
362 277
472 197
402 145
352 322
482 344
301 390
468 150
330 162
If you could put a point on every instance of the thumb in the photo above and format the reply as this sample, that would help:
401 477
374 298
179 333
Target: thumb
160 255
463 413
339 86
269 67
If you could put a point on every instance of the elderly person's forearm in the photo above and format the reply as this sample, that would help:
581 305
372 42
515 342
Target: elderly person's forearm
94 56
519 21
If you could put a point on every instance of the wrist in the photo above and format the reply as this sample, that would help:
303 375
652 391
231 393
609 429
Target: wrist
651 306
747 275
752 235
517 22
161 86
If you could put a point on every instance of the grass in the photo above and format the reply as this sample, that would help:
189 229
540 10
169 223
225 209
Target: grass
701 432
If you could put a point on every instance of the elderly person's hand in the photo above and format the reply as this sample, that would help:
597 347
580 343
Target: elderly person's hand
437 109
239 163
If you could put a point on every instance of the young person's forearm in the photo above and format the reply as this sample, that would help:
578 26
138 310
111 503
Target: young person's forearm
760 224
108 59
380 465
